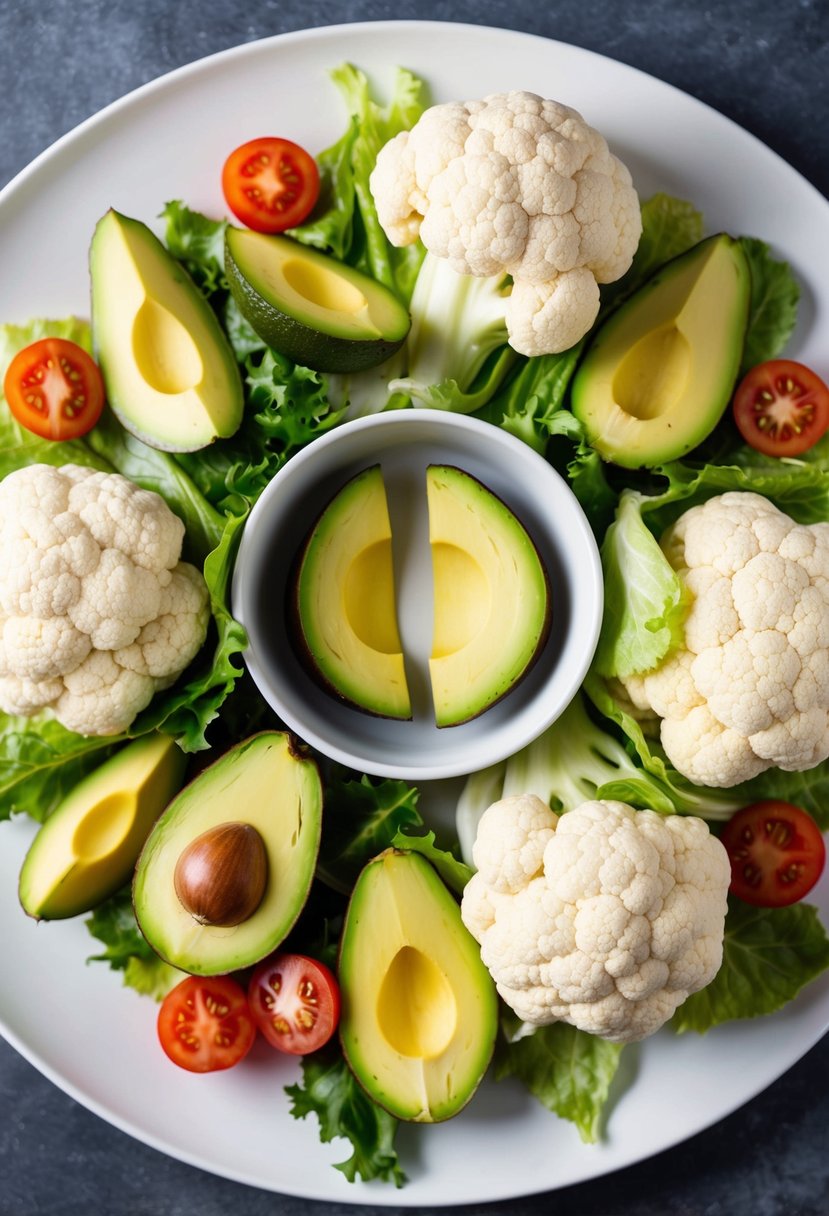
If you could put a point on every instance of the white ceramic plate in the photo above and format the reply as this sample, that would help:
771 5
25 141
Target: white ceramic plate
168 141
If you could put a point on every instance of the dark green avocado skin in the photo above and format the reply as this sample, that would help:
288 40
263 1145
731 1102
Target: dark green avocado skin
305 344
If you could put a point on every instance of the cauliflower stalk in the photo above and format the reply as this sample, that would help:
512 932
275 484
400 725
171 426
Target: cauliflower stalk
517 185
746 686
606 917
574 760
97 613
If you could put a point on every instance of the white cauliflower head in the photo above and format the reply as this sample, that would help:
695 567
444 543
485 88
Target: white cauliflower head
97 613
749 688
520 185
605 917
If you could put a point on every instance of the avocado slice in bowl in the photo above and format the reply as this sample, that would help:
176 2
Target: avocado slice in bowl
343 608
491 596
312 308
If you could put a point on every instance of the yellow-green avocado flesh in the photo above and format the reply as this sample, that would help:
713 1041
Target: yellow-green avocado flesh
491 596
312 308
87 848
171 377
343 601
660 372
263 782
419 1011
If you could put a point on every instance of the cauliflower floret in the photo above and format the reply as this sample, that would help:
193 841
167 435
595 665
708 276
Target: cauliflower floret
183 613
606 917
749 688
89 574
520 185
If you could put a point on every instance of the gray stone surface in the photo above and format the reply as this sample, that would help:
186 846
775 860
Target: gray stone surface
765 63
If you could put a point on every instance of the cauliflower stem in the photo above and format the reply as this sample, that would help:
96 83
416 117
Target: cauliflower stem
458 329
575 760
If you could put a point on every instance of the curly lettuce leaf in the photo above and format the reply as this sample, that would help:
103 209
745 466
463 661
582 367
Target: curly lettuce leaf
330 1091
345 222
361 820
670 227
775 294
163 474
198 243
113 923
456 874
568 1071
769 954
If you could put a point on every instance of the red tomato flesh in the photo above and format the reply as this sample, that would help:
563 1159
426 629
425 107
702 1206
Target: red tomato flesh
295 1002
54 389
270 184
782 408
776 851
204 1024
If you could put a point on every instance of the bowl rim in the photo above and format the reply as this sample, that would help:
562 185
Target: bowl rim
582 547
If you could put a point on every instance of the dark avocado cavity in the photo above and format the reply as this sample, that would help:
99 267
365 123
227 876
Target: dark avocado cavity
343 601
491 596
87 848
419 1013
262 784
660 372
170 374
312 308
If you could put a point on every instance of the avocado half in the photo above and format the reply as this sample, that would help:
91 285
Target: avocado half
87 848
492 609
660 372
342 601
312 308
171 377
263 782
419 1010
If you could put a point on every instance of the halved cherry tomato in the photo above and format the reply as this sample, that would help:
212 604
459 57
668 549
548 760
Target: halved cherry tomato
782 408
270 184
204 1024
776 852
54 389
295 1002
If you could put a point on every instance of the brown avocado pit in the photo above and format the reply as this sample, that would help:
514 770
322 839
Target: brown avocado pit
221 876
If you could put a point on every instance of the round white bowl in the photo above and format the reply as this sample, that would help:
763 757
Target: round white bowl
404 443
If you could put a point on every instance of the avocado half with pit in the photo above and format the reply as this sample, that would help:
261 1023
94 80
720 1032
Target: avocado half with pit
312 308
171 377
419 1010
660 372
87 848
492 609
243 835
343 608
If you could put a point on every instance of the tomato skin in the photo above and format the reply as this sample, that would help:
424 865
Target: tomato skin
54 389
781 408
295 1002
204 1024
777 853
270 184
